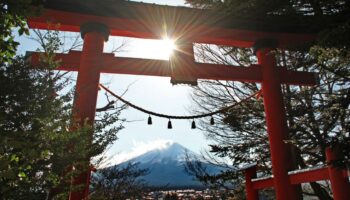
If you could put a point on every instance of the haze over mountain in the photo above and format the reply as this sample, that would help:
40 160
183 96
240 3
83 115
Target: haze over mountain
167 166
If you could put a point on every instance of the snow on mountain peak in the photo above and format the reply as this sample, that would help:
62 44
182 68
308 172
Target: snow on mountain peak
171 152
168 147
167 166
164 145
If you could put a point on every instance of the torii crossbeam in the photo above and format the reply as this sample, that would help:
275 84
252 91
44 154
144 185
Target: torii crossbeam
96 20
149 67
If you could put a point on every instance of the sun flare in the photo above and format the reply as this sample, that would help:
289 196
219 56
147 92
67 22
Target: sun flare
168 46
149 48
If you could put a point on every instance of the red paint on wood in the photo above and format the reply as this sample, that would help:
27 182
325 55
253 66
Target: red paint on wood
86 96
154 29
252 193
138 66
340 184
276 124
309 176
264 183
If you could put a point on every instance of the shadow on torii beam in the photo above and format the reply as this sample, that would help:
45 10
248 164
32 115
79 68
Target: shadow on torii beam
150 67
150 21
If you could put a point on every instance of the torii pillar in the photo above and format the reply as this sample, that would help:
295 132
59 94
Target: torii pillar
276 120
84 109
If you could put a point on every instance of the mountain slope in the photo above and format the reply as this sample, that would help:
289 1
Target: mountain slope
167 167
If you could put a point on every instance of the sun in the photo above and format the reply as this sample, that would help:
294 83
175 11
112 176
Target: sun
168 46
149 48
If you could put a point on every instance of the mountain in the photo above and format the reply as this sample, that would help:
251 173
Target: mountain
167 167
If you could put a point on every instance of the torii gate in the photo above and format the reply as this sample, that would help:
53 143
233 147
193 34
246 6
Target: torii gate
96 20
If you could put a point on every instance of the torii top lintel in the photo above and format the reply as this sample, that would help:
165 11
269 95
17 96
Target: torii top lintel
142 20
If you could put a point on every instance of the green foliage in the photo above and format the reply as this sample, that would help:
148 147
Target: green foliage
38 148
12 19
330 19
256 8
33 128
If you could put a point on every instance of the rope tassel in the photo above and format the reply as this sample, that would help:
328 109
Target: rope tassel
149 122
170 126
193 124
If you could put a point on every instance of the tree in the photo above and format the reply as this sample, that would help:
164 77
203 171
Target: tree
171 196
330 18
315 115
37 145
119 182
12 17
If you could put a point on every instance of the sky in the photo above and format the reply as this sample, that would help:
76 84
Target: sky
152 93
155 94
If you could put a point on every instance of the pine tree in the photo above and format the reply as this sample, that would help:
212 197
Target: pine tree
38 147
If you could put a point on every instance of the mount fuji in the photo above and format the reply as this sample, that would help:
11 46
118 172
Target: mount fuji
167 167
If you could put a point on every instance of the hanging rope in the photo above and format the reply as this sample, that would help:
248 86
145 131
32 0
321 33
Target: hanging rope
225 109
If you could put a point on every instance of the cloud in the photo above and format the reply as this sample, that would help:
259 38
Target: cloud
138 149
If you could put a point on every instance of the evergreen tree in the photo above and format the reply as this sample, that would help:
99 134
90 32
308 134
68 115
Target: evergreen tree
330 18
12 21
38 147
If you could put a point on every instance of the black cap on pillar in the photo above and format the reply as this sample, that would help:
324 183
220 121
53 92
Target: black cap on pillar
94 27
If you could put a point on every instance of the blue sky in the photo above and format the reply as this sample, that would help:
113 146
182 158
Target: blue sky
156 94
153 93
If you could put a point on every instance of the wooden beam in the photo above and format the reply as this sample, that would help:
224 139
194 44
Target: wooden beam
306 176
150 21
309 176
262 183
149 67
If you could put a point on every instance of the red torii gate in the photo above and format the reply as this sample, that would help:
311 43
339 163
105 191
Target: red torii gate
96 20
338 177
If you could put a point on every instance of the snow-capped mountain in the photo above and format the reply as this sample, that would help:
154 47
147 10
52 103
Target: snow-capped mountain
167 166
171 152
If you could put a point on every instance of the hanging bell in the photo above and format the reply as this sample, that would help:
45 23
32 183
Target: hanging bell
169 125
149 122
193 124
212 120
